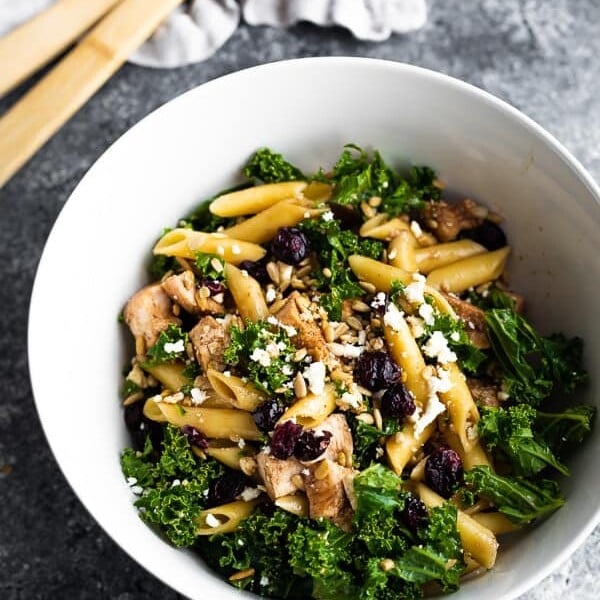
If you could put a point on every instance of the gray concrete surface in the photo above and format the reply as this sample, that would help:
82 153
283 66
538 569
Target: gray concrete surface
541 56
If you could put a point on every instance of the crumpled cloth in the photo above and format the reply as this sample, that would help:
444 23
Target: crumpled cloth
196 30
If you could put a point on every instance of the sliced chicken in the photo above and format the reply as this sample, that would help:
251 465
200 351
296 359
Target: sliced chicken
340 444
448 220
210 338
148 312
280 477
309 334
484 392
473 318
182 289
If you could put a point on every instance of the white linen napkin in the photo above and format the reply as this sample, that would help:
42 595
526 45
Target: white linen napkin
198 29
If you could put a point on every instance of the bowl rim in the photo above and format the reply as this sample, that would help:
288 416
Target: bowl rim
396 68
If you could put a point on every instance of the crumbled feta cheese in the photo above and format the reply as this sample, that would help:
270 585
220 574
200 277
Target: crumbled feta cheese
416 229
351 399
273 349
393 317
291 331
270 295
414 291
426 311
173 398
175 483
263 581
198 396
437 347
137 489
315 375
431 413
378 301
249 493
241 443
261 356
177 346
345 350
213 521
327 216
131 481
240 542
416 326
287 370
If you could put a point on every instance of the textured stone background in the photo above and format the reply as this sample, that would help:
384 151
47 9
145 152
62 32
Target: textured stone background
540 56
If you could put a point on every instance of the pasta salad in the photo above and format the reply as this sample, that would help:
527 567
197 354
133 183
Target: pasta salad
334 393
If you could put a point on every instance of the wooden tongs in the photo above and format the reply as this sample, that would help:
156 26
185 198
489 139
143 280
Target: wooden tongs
36 117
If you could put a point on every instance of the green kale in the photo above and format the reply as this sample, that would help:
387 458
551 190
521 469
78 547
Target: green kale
493 297
320 550
266 166
333 246
377 489
396 291
158 354
263 352
261 542
532 365
366 439
174 488
211 266
520 500
566 429
508 431
129 388
412 193
383 585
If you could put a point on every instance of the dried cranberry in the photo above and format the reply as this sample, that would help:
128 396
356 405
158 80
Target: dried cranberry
214 286
195 437
290 245
415 513
256 269
488 234
397 402
227 488
376 370
284 439
443 471
310 445
267 414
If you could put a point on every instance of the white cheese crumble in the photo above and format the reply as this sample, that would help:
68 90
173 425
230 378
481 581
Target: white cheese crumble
213 521
249 493
437 347
351 399
315 376
131 481
137 489
264 580
378 301
241 443
177 346
327 216
393 317
426 311
414 291
291 331
270 295
261 356
198 396
434 408
345 350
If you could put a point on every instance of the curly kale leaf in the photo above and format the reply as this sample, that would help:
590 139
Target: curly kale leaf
169 347
263 352
261 542
508 431
520 500
377 489
211 266
564 430
493 297
333 246
266 166
173 489
532 365
366 439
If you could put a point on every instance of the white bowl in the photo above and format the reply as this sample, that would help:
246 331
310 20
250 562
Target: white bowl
194 146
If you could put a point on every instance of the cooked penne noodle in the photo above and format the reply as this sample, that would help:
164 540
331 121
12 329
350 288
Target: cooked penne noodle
476 455
377 273
402 446
297 504
186 243
225 518
401 252
221 423
252 200
169 374
317 191
476 539
247 294
469 272
384 229
262 227
229 456
238 393
433 257
496 522
313 409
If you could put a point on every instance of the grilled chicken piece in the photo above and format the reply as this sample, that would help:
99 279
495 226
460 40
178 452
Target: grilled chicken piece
324 485
278 476
309 334
182 289
210 339
448 220
341 439
484 392
474 319
148 312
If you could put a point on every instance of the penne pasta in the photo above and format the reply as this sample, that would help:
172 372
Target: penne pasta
313 409
169 374
402 446
377 273
430 258
229 455
317 191
253 200
469 272
401 252
186 243
237 392
496 522
247 294
382 228
476 539
225 518
221 423
297 504
476 455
